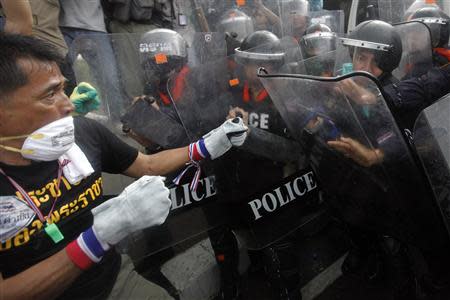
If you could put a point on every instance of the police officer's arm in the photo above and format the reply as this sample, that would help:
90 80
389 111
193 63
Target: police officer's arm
160 163
46 280
414 94
359 153
18 16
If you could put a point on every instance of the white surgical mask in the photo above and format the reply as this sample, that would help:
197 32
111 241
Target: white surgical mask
48 142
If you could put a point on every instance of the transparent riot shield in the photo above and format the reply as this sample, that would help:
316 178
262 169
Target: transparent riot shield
417 50
358 153
335 19
432 143
147 116
393 11
99 61
263 185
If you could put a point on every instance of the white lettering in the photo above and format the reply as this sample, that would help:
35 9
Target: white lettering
280 197
174 198
296 188
264 123
265 204
256 205
310 183
210 187
194 194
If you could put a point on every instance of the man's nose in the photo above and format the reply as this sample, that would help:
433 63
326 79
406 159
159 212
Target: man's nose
67 106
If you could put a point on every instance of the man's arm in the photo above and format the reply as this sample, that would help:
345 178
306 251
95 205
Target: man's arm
46 280
160 163
18 14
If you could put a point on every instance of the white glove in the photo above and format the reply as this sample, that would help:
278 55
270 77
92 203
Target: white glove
142 204
232 132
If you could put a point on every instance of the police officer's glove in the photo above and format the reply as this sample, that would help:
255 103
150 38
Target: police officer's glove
142 204
85 98
232 132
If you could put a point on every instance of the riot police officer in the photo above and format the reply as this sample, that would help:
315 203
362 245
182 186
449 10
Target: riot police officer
163 53
318 41
438 23
244 174
236 25
375 47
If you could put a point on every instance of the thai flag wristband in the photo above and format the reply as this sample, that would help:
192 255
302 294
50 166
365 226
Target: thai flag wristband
86 249
197 152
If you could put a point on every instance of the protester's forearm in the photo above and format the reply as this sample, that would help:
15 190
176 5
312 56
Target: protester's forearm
45 280
161 163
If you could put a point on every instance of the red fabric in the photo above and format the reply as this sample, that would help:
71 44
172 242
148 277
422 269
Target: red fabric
77 256
195 153
444 52
262 95
178 87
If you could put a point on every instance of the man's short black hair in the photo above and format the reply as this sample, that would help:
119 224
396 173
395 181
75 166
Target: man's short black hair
14 47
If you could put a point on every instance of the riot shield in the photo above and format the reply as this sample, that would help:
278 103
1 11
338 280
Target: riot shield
99 64
335 19
432 143
417 50
262 184
358 154
393 11
149 118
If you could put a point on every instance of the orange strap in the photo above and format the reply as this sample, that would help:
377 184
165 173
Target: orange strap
444 52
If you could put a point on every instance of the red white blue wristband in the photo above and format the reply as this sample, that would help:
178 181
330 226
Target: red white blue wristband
197 152
86 249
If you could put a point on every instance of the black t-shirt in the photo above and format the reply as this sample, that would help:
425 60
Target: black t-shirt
106 153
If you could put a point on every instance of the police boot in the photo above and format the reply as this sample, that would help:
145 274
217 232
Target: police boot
399 273
363 258
282 270
226 251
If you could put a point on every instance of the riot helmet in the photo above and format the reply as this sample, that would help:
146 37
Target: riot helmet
318 46
437 21
161 52
415 6
236 23
260 48
378 39
317 40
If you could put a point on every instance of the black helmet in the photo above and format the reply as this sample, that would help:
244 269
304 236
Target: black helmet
436 20
260 47
161 51
379 37
236 23
318 39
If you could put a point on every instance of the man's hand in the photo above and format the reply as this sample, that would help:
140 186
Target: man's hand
237 112
356 92
232 132
357 152
142 204
85 98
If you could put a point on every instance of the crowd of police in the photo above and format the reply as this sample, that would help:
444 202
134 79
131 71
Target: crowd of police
343 127
355 132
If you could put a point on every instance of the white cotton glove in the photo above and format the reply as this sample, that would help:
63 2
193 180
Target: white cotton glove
232 132
142 204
